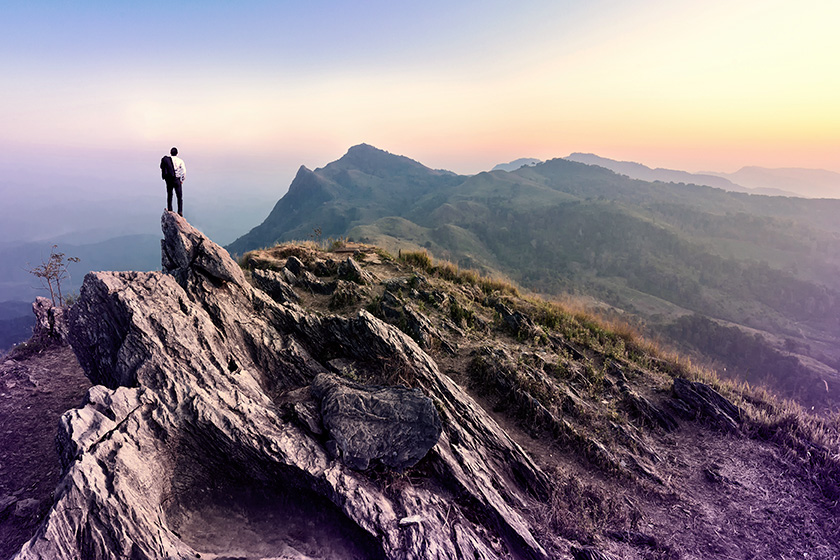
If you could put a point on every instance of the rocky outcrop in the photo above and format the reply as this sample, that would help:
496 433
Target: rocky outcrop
201 437
701 401
296 274
642 408
405 317
350 270
50 322
274 284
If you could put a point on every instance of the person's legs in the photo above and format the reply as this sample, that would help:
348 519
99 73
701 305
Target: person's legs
179 194
169 195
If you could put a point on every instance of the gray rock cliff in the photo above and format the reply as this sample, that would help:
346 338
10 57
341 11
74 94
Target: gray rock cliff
185 446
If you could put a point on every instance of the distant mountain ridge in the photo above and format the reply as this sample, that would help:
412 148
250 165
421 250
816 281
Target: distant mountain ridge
135 252
516 164
16 321
810 183
660 251
638 171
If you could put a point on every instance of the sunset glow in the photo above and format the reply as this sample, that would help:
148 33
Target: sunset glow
673 84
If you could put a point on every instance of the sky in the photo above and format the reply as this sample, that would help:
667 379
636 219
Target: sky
95 92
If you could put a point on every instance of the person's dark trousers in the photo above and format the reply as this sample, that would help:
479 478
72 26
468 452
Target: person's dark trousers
174 184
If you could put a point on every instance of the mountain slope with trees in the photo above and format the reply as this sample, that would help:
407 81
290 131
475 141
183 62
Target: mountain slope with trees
656 252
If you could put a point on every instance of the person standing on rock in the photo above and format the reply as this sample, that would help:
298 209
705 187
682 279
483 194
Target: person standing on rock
173 171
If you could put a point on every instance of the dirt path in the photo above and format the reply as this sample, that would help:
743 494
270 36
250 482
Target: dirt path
34 393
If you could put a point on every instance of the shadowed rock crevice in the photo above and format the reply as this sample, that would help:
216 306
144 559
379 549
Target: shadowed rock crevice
223 504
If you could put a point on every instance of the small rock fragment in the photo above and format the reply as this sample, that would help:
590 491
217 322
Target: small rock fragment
411 520
27 507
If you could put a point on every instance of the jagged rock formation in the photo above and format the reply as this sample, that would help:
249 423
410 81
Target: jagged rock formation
235 415
195 371
705 402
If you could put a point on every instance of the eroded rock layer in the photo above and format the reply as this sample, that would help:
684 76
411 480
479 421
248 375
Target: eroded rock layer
186 446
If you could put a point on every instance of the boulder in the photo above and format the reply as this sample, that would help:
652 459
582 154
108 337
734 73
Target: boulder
50 321
274 284
295 265
395 426
351 271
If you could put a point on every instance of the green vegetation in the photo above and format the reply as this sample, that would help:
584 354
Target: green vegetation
461 315
654 250
450 272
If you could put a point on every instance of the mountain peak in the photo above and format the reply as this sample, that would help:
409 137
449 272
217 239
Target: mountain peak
371 160
516 164
365 148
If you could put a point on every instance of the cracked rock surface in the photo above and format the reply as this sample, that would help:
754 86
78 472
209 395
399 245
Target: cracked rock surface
184 447
394 425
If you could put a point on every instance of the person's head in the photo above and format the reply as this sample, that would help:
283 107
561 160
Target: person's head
173 152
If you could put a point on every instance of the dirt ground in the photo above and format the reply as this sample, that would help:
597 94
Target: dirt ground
33 395
724 496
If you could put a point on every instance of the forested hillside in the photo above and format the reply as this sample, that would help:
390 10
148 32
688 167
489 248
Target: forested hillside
656 252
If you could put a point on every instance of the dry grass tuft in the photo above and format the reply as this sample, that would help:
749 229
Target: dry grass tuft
578 511
451 272
814 440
